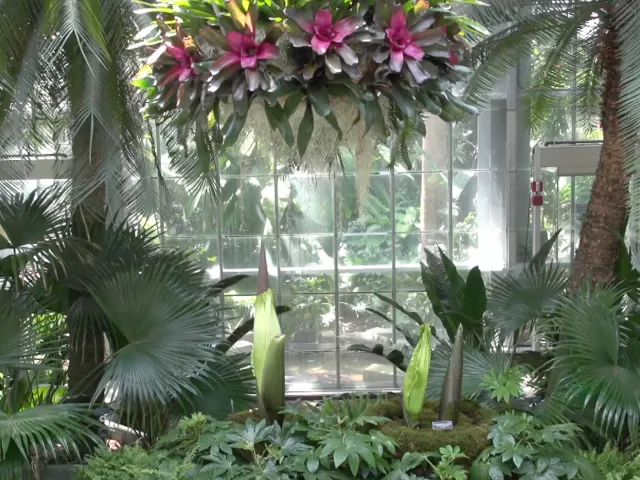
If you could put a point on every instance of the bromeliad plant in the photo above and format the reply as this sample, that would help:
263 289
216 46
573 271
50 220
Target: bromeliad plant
210 61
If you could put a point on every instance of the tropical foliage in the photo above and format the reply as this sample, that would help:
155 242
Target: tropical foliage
210 61
321 443
147 318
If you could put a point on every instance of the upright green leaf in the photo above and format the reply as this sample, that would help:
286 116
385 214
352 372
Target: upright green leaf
305 130
319 97
540 258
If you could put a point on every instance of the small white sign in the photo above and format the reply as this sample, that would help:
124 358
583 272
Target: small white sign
442 425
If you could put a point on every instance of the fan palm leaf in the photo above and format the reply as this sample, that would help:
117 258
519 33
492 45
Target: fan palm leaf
519 299
41 432
598 358
167 329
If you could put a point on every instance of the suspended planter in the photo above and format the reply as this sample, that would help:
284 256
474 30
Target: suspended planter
318 74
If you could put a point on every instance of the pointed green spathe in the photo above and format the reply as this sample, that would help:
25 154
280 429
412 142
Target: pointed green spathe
272 394
266 327
415 381
452 389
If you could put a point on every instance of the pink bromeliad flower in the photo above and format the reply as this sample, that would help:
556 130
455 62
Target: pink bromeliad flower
183 70
325 34
401 41
245 51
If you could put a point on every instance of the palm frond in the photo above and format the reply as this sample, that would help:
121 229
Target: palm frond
598 360
626 20
77 22
517 299
476 364
44 431
20 334
166 325
554 73
516 40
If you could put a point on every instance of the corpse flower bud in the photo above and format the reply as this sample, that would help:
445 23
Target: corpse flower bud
415 381
267 355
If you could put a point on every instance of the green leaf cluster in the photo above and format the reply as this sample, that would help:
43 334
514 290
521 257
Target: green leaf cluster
524 447
333 441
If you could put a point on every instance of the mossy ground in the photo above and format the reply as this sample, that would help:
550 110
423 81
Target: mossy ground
470 433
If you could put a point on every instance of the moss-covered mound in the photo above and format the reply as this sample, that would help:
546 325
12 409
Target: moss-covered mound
470 433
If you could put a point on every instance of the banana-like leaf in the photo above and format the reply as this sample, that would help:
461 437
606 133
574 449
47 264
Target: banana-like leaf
415 381
452 391
266 327
272 393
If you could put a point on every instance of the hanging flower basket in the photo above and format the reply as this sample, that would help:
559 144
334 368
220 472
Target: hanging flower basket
212 62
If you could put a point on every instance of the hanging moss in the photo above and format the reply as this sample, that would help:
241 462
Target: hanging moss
470 433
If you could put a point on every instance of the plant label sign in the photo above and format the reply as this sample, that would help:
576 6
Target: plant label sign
442 425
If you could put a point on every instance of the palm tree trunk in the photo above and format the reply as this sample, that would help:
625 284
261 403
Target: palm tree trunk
86 342
607 215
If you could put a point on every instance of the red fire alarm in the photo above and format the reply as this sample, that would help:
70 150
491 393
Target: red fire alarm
537 195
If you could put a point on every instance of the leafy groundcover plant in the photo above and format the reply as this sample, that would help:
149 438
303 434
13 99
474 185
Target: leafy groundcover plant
313 443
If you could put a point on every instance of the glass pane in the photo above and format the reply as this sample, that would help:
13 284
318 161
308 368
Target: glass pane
366 157
422 203
307 283
204 250
410 246
365 249
248 205
307 251
242 253
361 370
364 282
306 204
189 215
479 234
364 203
409 280
311 344
465 143
250 157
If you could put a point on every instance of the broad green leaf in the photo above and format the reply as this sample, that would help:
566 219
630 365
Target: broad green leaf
415 381
277 117
266 327
305 130
292 102
474 297
333 121
319 97
404 101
